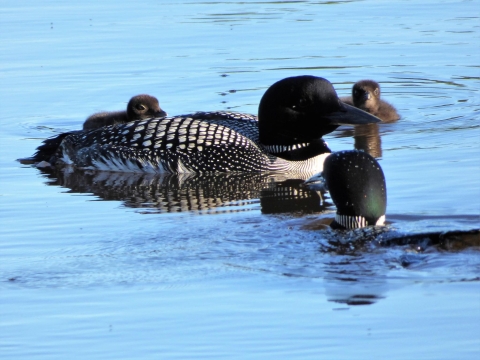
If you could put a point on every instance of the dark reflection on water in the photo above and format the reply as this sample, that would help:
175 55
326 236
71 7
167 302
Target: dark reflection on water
272 193
367 138
363 240
348 282
357 274
276 193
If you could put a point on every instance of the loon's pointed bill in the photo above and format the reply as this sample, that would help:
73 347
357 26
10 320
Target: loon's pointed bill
357 187
293 115
350 115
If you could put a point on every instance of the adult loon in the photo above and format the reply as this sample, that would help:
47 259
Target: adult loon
294 114
139 107
357 187
366 96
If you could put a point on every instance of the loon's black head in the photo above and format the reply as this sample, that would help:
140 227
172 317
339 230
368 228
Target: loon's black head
366 95
143 107
357 186
302 109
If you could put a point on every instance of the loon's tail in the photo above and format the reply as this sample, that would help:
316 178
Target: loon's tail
46 151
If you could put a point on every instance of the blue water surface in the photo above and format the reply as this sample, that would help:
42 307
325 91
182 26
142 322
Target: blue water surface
109 266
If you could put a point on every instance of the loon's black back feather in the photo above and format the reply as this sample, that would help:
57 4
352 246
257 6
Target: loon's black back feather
200 142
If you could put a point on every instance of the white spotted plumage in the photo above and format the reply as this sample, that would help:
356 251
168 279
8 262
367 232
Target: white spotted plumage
176 144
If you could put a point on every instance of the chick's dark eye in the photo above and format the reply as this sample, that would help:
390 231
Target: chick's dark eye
140 107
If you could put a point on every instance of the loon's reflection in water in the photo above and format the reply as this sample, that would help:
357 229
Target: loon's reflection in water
274 193
270 193
367 138
354 265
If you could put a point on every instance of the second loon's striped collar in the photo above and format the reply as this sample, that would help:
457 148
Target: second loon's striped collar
356 222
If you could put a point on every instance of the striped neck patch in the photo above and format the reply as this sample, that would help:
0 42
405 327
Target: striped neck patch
277 149
356 222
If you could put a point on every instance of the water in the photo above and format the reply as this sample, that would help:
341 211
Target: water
109 266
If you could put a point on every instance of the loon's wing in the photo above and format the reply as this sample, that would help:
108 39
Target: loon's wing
173 144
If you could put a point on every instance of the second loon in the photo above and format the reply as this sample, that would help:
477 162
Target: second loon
357 186
294 114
